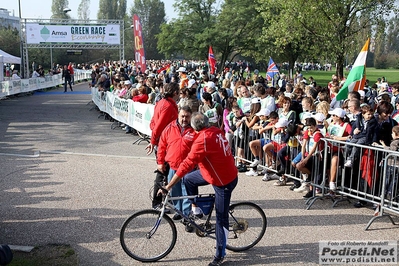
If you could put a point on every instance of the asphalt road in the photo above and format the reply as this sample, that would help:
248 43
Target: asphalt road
67 177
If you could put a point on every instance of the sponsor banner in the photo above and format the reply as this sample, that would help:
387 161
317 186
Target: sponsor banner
358 252
11 87
25 85
37 33
140 115
134 114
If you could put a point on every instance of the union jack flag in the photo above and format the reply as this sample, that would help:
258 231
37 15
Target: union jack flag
271 70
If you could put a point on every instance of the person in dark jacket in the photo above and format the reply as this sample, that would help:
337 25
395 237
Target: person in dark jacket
66 74
362 133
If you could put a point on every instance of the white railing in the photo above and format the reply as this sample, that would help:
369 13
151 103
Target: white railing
12 87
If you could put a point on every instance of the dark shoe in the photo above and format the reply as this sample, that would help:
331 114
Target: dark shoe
216 262
242 169
177 217
308 195
71 89
189 228
294 186
359 204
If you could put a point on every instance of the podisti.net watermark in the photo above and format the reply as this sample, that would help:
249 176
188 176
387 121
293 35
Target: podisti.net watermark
358 252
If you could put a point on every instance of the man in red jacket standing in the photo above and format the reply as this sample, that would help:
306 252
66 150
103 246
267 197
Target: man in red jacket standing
173 147
212 153
165 111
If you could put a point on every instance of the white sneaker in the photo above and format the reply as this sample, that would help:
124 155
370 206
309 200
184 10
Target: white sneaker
333 186
266 177
264 171
348 163
303 188
251 173
254 163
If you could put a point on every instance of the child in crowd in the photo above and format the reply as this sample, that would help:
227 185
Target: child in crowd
278 141
311 146
256 145
391 183
362 133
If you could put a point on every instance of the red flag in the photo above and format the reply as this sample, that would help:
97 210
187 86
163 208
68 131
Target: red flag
211 60
166 67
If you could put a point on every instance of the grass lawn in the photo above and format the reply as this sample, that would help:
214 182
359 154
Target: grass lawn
323 77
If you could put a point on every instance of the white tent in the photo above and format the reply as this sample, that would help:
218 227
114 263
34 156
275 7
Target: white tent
6 58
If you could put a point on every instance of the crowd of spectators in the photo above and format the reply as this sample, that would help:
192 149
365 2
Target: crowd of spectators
264 123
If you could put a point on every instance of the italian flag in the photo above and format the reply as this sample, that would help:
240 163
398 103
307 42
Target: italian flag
357 76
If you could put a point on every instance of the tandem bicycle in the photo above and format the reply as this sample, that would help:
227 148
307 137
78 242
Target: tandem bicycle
150 235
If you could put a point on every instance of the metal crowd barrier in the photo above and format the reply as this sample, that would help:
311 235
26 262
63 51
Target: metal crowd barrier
372 179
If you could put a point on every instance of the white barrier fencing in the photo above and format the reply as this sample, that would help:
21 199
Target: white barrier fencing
12 87
134 114
371 180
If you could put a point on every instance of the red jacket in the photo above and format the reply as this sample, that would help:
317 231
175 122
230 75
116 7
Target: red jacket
212 153
70 69
141 98
165 111
174 144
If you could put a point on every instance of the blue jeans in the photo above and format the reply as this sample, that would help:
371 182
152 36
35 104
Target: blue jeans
179 189
222 202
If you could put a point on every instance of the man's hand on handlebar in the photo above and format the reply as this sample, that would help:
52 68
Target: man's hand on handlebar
163 191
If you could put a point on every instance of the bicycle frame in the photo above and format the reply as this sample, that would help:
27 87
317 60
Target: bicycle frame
166 203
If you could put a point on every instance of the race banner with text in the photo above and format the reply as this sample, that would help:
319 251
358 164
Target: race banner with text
73 34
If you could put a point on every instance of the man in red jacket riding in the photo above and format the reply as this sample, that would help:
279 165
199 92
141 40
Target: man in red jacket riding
212 153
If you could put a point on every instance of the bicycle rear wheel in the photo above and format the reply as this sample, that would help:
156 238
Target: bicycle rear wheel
247 225
143 239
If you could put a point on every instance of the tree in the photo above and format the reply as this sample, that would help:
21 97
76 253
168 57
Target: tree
10 40
112 9
152 16
57 8
188 35
236 31
84 10
335 24
392 38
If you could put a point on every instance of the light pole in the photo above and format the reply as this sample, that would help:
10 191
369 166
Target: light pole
21 47
65 10
123 37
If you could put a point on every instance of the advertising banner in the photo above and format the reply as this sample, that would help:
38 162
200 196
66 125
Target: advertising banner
139 44
40 33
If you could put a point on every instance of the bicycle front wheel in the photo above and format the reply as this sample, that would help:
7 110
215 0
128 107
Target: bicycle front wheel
247 225
146 238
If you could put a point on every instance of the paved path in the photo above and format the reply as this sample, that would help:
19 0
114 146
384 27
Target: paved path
66 177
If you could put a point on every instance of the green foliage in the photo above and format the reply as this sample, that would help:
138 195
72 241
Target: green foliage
112 9
334 26
84 10
10 41
57 8
152 16
189 35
